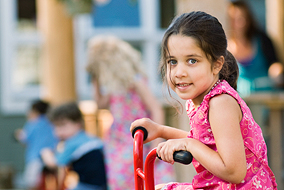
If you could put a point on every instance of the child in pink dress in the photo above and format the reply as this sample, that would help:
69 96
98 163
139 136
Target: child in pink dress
121 87
227 144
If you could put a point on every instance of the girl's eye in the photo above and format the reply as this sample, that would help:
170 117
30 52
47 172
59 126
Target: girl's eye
172 62
192 61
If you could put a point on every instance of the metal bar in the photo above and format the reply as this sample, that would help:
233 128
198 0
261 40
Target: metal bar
138 159
149 170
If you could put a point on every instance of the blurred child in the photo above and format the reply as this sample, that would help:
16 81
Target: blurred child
81 152
36 134
121 86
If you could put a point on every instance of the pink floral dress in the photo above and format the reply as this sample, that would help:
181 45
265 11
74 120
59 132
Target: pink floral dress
259 175
125 108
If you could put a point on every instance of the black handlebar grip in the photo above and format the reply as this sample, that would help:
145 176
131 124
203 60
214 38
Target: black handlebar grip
181 156
143 129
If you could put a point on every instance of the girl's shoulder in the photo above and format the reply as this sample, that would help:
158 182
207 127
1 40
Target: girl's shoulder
224 102
222 88
223 93
221 99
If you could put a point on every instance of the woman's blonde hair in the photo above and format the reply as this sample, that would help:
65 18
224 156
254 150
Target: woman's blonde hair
114 63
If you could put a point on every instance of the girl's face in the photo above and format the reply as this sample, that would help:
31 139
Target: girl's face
65 129
189 72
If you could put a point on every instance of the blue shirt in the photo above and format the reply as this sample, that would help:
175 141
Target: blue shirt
254 73
77 146
85 154
39 134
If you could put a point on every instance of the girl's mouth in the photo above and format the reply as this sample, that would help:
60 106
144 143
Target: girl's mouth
182 85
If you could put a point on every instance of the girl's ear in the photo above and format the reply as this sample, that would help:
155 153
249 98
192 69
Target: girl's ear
218 65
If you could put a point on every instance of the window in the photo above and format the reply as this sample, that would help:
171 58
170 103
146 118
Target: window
20 52
119 13
167 12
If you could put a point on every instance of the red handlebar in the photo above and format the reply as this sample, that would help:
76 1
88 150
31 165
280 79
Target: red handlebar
147 175
140 175
138 160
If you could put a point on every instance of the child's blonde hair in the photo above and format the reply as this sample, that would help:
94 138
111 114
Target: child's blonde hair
114 63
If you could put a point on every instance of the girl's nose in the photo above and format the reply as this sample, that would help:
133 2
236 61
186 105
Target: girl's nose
180 71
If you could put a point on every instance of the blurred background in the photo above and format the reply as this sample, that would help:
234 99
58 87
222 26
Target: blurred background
43 55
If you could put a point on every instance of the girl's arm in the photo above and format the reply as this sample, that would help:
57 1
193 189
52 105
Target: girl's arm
101 100
152 104
229 163
225 116
156 130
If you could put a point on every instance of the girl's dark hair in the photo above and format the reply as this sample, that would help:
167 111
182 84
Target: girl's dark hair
40 106
210 37
67 111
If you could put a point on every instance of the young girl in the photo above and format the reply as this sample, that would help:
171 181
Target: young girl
227 145
121 86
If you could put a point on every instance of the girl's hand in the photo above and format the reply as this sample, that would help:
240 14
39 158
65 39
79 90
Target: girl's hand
154 129
165 150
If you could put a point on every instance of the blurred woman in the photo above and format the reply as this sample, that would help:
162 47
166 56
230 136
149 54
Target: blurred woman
254 51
